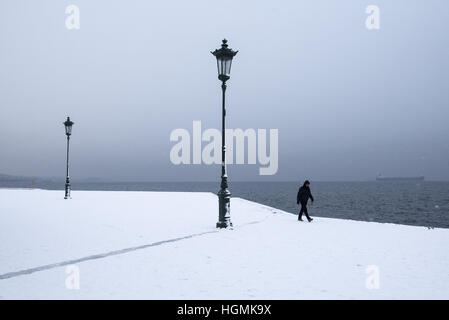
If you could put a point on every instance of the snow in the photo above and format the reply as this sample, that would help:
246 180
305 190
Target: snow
164 245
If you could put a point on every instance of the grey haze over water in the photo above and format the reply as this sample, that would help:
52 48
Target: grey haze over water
348 102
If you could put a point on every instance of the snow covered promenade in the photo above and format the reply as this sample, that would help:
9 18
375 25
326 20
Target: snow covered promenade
160 245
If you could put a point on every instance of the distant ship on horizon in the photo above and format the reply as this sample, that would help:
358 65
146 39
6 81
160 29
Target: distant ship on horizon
380 177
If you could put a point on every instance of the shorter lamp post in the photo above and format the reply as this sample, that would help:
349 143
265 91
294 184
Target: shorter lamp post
68 131
224 57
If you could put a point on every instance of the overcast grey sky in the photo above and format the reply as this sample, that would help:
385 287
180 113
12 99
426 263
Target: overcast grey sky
348 102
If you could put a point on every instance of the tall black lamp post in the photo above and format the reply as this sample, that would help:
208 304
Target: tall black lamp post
68 131
224 57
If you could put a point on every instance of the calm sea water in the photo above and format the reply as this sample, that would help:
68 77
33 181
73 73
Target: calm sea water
423 204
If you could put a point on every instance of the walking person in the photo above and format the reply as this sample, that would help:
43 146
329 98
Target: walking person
302 198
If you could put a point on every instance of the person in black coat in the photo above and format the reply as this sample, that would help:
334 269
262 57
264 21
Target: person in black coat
303 196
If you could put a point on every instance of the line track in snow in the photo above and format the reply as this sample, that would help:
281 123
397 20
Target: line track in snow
108 254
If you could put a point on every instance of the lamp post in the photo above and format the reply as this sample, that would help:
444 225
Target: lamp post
68 131
224 57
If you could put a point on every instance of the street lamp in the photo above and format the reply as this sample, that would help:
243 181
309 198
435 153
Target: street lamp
68 131
224 57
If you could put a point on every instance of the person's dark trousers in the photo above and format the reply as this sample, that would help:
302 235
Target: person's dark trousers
303 210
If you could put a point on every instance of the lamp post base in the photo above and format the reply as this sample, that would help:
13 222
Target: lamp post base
67 191
224 225
224 217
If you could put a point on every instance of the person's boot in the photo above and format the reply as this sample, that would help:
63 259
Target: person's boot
300 219
309 219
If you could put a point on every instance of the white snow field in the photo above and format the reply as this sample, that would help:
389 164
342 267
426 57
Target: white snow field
164 245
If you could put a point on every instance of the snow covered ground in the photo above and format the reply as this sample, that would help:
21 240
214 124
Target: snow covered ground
161 245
